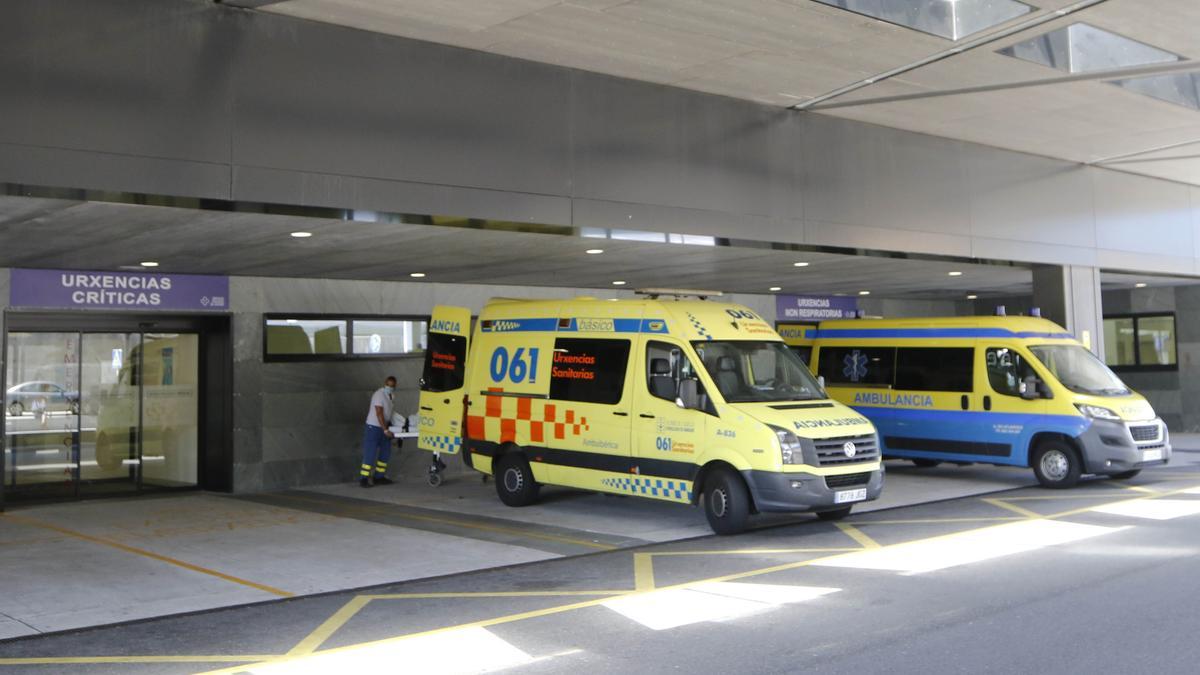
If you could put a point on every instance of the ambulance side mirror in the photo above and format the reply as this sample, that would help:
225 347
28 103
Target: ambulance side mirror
689 395
821 381
1033 388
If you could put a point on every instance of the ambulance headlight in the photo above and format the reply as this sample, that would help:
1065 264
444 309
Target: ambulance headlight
790 447
1097 412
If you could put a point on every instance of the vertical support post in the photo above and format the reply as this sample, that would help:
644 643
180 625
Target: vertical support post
1069 295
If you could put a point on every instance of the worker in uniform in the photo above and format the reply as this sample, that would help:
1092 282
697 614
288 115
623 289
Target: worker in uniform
377 439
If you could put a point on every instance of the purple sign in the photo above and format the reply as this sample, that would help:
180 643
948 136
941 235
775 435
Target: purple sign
814 307
138 291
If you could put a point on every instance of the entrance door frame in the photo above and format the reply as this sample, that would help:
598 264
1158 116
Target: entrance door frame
215 430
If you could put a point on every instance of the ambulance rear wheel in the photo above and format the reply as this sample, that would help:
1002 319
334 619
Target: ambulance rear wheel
726 502
1056 465
514 481
926 463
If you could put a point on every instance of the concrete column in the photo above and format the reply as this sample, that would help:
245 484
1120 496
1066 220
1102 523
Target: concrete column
1070 296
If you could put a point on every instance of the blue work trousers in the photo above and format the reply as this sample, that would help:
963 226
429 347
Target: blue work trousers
377 450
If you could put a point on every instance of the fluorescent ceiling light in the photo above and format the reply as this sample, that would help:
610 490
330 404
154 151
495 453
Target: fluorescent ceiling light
417 275
1080 48
800 264
954 274
775 288
302 235
972 297
951 19
1141 284
618 283
864 292
148 263
594 251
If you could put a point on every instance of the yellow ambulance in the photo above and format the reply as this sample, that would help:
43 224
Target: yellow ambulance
663 397
1016 391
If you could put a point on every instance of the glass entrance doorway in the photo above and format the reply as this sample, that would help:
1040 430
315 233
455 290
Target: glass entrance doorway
89 413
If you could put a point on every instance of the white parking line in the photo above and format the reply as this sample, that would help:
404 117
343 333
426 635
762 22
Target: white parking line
1192 491
968 547
1152 509
709 601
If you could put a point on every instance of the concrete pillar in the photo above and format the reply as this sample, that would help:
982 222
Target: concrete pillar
1070 296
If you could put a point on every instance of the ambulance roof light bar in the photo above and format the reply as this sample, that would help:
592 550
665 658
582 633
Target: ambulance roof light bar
678 293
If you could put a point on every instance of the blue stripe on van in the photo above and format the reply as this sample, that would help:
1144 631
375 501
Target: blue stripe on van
972 428
830 333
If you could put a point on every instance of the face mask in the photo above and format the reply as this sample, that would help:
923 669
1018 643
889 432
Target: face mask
389 389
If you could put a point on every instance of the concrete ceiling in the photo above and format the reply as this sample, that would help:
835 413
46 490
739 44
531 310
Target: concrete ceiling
789 52
108 236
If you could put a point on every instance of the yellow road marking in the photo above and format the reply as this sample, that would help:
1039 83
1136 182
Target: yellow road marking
330 626
936 521
643 571
148 554
756 551
573 606
457 523
857 535
1011 507
86 660
1139 488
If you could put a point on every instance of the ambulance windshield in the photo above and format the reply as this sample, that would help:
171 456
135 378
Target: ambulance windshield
1079 370
751 371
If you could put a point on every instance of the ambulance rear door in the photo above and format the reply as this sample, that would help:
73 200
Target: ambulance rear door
443 380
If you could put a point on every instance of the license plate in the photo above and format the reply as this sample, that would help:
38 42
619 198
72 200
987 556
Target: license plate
850 496
1151 455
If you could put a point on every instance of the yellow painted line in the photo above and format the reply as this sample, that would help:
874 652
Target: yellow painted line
149 554
457 523
330 626
84 660
1080 494
857 535
1011 507
937 521
1139 488
756 551
1088 509
643 571
496 594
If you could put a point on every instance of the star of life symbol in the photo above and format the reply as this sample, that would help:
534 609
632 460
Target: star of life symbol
856 366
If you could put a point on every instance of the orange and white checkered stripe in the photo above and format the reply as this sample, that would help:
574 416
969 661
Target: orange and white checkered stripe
509 419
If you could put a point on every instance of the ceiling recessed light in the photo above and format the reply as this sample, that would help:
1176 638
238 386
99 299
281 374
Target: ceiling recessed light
775 288
864 292
148 263
954 274
972 297
594 251
800 264
301 235
417 275
618 283
1137 285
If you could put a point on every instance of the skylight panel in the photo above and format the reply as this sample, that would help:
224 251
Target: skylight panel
1081 48
951 19
1178 88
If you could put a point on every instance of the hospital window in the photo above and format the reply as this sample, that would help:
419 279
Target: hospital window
311 337
1140 342
588 370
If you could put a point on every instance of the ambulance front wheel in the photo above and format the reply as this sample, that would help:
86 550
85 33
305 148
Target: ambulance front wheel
435 479
514 481
726 502
1056 465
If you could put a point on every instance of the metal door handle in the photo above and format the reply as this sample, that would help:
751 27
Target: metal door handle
620 414
425 407
987 402
965 402
649 417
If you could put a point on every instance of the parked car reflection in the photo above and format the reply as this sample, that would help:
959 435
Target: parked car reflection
40 395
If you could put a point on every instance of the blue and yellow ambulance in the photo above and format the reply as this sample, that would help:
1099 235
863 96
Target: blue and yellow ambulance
1017 391
672 399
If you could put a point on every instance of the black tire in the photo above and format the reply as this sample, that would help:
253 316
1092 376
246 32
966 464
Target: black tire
726 502
1125 475
835 514
926 463
15 409
514 481
1056 465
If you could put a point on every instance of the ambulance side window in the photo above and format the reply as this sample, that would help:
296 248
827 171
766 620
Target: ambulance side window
445 360
858 366
1006 370
589 370
935 368
666 366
